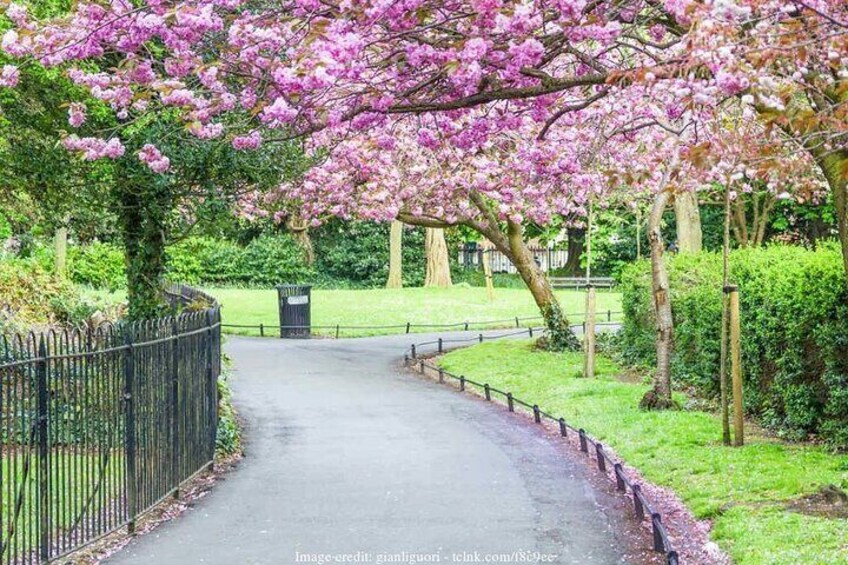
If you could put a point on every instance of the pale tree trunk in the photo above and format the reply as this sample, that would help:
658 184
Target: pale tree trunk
395 279
516 249
659 397
688 216
752 235
438 262
60 251
300 232
513 246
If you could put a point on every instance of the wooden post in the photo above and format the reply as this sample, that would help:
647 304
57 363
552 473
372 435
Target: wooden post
589 334
638 232
487 270
736 366
723 384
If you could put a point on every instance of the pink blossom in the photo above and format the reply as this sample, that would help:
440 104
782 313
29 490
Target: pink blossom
9 76
250 141
93 148
153 158
76 114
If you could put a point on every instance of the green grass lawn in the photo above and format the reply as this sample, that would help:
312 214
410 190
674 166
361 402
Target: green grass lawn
376 307
744 491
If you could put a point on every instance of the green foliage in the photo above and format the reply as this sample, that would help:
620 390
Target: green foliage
99 265
273 259
228 440
267 260
356 254
794 308
32 296
5 228
742 491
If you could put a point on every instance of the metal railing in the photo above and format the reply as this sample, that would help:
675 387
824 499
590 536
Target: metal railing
612 468
99 426
607 317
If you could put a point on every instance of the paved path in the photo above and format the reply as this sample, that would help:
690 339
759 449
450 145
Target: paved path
347 453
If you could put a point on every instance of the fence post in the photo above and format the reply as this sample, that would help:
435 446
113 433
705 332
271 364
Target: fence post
736 367
441 375
599 452
583 445
129 429
637 502
176 443
212 390
440 346
407 327
337 331
466 326
43 451
656 520
413 351
481 338
619 478
589 334
563 430
488 391
517 324
261 330
509 402
537 416
530 331
461 382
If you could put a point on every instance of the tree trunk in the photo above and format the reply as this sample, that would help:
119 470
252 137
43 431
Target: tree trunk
659 397
60 251
689 236
513 246
576 238
395 279
516 249
142 216
834 165
300 232
438 260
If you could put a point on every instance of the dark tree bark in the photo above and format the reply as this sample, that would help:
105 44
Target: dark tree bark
576 239
144 213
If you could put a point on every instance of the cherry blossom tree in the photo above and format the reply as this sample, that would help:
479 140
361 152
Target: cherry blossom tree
528 108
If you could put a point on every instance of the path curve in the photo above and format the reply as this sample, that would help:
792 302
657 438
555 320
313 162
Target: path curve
346 453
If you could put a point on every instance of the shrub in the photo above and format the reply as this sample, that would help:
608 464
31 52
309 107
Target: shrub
32 296
357 254
273 259
794 309
100 265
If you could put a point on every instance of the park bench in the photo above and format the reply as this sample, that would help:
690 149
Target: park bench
576 283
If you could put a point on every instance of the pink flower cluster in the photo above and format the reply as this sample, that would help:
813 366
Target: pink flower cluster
93 148
153 158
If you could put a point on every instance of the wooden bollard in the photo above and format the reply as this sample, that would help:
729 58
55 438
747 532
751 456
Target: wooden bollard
589 334
736 366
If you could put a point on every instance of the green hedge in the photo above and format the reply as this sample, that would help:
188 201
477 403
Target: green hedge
99 265
265 261
794 307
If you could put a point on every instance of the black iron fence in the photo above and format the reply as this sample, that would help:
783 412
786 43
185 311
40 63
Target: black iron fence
97 426
605 317
592 448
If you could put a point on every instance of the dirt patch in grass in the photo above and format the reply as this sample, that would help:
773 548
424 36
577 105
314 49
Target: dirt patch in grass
829 502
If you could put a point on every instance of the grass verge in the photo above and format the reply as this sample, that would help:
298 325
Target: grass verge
747 492
378 307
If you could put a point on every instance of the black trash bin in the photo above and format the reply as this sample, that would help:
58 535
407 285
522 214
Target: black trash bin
295 314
